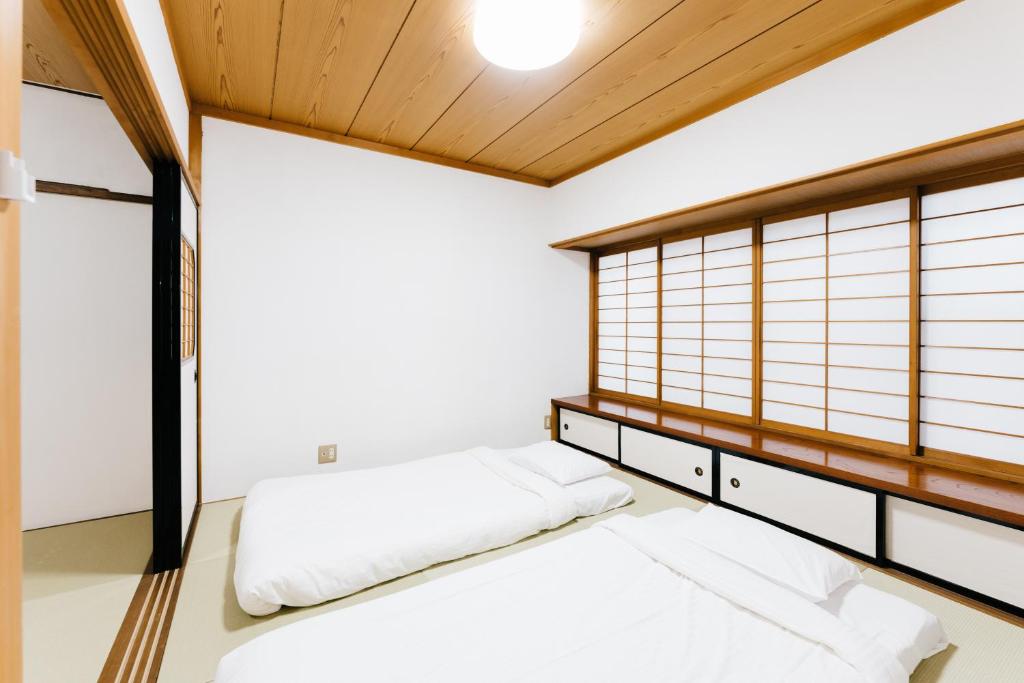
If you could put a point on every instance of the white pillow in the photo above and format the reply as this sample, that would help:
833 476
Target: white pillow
560 463
801 565
599 494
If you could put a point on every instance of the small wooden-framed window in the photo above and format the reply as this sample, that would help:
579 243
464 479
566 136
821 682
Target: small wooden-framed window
188 300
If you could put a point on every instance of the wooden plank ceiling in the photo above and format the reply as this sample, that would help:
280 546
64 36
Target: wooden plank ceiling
47 58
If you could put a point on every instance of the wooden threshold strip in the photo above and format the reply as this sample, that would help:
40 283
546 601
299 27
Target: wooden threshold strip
72 190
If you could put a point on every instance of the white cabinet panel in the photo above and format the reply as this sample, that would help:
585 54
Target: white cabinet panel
982 556
674 461
841 514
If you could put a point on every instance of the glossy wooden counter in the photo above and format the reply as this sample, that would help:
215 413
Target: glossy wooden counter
985 496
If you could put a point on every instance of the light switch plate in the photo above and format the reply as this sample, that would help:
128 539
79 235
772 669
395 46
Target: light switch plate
547 422
327 454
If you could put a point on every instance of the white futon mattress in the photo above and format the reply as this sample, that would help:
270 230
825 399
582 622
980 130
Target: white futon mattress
304 540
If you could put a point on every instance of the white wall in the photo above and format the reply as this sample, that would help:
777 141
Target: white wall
953 73
397 308
86 403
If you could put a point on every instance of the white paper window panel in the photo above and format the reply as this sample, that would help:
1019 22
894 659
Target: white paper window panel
972 415
794 373
612 355
682 248
612 275
999 362
893 308
681 363
989 335
796 290
611 329
793 310
728 312
865 379
996 390
686 347
610 288
742 237
642 270
739 331
649 344
641 373
727 385
611 301
976 198
794 332
973 306
681 264
681 330
794 415
642 358
881 333
643 300
973 279
726 404
686 397
862 263
866 286
880 405
982 252
642 315
800 269
680 314
611 370
738 275
611 383
644 284
681 380
802 247
645 389
982 444
681 280
878 357
611 315
881 429
681 297
642 255
796 227
730 294
729 367
870 214
973 225
880 237
793 393
720 348
613 261
612 343
740 256
793 353
642 329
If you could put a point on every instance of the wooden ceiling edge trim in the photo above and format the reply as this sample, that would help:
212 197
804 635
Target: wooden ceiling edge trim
103 47
943 146
341 139
769 81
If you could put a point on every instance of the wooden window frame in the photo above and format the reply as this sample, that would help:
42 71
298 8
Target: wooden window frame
188 300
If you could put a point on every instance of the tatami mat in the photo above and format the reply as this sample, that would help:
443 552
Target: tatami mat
208 622
78 582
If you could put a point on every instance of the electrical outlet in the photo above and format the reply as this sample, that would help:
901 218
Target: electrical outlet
547 422
327 454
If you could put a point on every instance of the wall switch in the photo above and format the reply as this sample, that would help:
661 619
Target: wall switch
547 422
327 454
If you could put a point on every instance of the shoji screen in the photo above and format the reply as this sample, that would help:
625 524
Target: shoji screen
835 306
707 315
627 327
972 330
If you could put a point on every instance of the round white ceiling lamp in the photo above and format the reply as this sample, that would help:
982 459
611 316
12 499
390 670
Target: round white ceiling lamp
526 34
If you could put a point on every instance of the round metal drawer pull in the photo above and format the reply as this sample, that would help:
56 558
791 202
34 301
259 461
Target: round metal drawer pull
565 427
735 482
699 471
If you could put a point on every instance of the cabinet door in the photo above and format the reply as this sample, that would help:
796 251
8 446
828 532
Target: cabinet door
675 461
593 433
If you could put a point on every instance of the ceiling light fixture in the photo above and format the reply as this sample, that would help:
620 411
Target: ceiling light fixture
526 34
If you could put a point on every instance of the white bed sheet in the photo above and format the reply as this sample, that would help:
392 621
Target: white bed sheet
305 540
621 601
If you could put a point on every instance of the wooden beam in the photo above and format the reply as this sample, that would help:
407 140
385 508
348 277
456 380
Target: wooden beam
72 190
10 353
237 117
